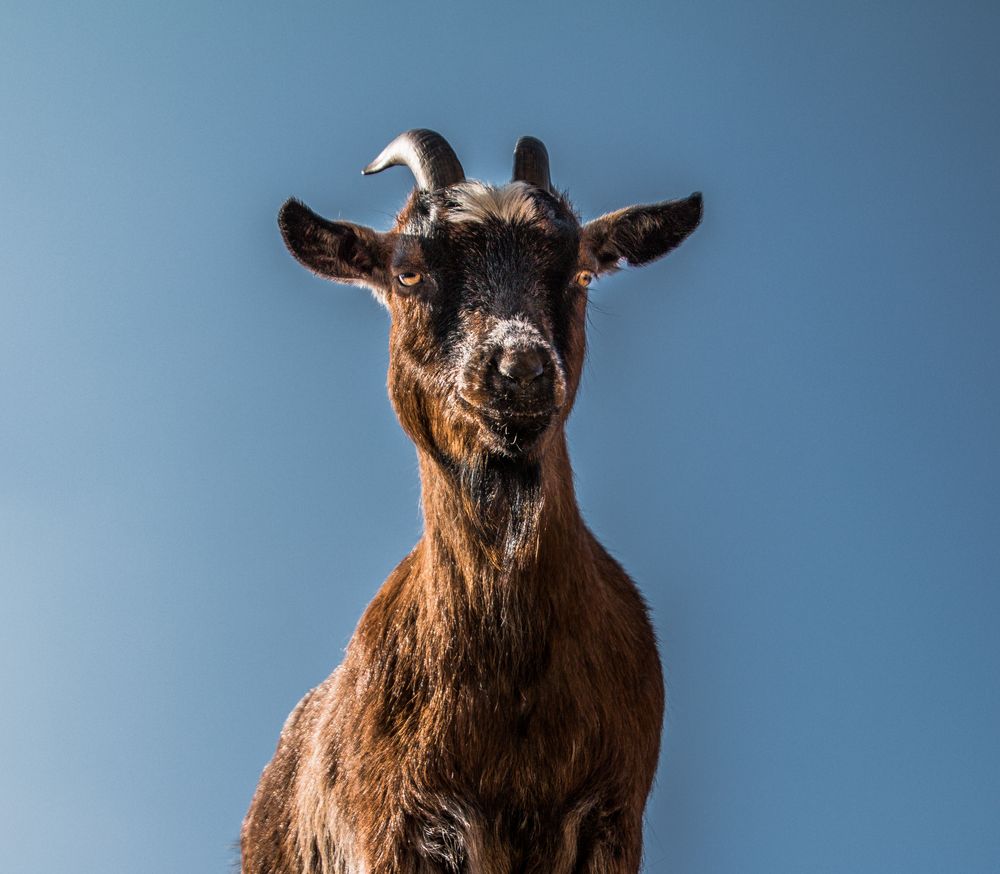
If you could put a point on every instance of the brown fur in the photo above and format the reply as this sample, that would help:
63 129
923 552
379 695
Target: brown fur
499 706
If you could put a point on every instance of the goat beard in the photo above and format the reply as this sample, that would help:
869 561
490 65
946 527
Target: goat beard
503 499
498 497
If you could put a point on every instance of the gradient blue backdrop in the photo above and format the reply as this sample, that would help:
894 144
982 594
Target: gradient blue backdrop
788 431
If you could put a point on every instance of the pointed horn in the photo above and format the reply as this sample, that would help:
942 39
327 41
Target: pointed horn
432 161
531 163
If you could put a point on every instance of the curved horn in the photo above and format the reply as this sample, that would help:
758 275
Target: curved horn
531 163
432 161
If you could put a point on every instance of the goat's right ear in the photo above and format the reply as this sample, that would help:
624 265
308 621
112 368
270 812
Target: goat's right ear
340 251
637 235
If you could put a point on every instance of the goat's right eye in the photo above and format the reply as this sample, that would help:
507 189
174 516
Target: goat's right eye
410 279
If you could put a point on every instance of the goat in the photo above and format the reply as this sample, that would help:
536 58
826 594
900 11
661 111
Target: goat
499 706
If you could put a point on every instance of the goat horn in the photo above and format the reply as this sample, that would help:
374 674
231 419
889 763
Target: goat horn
432 161
531 163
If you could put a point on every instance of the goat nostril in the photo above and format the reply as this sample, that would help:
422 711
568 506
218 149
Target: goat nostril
521 365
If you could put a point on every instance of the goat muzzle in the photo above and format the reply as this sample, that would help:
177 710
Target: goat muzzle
514 389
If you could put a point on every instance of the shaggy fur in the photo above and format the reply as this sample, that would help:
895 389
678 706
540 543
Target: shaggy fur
499 706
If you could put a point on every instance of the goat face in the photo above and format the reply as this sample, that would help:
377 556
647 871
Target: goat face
487 291
487 344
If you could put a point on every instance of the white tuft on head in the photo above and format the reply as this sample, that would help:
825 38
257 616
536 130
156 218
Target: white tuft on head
477 202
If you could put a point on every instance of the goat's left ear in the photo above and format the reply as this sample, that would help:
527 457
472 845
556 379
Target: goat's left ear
340 251
640 234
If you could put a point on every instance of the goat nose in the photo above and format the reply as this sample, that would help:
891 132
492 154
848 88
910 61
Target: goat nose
521 365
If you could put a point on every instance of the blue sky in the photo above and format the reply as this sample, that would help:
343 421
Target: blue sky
788 430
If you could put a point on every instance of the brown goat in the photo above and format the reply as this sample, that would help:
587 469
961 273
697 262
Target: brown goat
499 707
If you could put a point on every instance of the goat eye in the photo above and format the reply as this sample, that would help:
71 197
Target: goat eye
409 279
583 278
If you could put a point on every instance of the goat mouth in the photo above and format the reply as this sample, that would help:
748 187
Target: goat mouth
512 432
518 433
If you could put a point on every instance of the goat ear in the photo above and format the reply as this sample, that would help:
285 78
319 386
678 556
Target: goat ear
640 234
339 251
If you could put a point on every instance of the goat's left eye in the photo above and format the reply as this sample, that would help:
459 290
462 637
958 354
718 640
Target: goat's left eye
409 279
583 278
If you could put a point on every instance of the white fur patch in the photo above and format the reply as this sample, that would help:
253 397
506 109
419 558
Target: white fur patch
516 334
477 202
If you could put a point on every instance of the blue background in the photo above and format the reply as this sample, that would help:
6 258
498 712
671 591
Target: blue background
788 431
